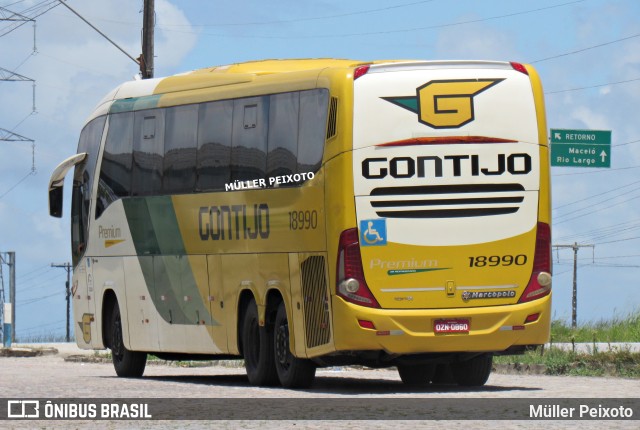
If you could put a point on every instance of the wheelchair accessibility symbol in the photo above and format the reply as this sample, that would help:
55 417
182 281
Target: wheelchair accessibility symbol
373 232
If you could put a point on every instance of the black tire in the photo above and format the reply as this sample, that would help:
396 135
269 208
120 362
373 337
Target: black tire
416 375
257 348
474 372
293 372
128 364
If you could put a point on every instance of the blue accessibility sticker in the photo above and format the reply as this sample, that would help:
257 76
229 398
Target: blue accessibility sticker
373 232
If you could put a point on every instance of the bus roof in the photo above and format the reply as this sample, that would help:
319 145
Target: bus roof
143 94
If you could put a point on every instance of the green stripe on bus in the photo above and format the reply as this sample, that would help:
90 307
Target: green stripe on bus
165 265
134 103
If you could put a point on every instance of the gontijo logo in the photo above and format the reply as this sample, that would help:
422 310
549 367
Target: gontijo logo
445 103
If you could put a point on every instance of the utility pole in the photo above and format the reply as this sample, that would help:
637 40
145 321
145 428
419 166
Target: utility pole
10 311
67 267
148 23
574 301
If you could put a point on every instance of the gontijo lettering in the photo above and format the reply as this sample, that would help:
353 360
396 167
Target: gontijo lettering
235 222
451 165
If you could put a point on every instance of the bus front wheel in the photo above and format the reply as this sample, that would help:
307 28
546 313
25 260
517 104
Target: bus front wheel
293 372
128 364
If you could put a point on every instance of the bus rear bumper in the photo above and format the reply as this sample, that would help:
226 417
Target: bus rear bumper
412 331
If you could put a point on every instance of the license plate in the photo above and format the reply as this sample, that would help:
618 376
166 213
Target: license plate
451 326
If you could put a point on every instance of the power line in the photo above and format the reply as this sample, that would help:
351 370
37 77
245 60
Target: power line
592 86
592 211
586 49
597 171
596 195
313 18
99 32
405 30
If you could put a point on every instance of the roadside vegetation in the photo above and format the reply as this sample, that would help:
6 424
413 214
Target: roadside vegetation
597 360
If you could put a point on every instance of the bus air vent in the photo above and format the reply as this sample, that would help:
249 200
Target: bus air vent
333 117
314 292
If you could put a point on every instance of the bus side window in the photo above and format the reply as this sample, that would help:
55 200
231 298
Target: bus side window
214 145
313 121
148 152
249 139
115 171
283 134
180 139
83 184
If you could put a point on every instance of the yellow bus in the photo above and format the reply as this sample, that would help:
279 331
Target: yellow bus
310 213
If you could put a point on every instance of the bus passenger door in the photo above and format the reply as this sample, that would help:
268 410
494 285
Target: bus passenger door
84 325
143 315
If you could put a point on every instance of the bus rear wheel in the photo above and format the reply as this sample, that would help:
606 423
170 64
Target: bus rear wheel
257 348
416 375
293 372
474 372
128 364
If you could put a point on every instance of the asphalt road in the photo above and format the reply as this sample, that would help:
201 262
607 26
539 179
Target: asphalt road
51 377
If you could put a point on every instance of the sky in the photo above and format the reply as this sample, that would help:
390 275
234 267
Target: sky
586 52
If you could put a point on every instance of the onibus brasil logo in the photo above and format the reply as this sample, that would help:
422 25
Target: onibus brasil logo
445 103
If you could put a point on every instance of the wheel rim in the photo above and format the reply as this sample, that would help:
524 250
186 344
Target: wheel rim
117 349
283 356
253 346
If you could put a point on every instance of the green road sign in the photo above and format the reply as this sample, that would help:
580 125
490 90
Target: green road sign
580 148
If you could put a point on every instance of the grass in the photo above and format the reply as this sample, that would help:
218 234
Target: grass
42 338
616 361
616 330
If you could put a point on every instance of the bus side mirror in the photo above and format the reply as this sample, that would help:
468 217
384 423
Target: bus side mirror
55 202
57 182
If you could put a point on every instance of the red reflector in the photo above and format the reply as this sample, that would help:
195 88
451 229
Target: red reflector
532 318
366 324
519 67
360 71
518 327
446 140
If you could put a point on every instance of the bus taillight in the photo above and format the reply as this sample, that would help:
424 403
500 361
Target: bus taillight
519 67
350 283
360 71
540 282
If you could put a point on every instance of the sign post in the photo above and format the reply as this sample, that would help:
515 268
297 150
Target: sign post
8 315
580 148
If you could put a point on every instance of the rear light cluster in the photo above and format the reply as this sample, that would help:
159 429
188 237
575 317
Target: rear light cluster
540 282
360 71
519 67
350 283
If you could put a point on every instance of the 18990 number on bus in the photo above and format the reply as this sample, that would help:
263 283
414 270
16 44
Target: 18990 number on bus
497 260
303 220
